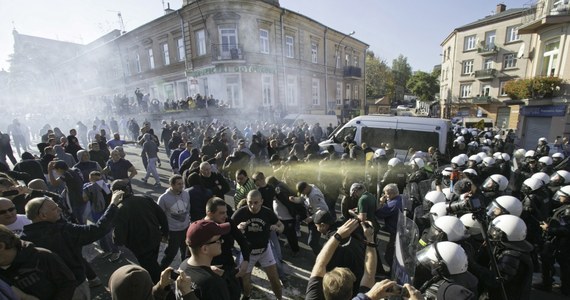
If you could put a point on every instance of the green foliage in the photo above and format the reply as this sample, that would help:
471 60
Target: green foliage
401 72
538 87
424 85
378 75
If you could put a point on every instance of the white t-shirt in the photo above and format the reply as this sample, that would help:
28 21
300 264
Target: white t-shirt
18 226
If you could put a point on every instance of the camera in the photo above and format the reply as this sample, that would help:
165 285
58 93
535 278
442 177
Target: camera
398 289
174 274
470 204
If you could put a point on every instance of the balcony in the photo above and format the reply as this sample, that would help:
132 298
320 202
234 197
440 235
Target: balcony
222 53
487 50
352 71
486 74
351 104
542 15
482 100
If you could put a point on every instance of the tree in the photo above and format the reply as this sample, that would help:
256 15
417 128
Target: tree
424 85
378 75
401 72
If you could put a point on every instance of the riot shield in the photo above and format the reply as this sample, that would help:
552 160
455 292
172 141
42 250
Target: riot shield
404 265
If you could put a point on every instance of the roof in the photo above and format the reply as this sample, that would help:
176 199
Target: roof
507 14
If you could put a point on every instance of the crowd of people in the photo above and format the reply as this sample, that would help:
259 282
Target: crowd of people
484 215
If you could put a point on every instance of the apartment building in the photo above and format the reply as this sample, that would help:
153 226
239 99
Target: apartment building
548 24
250 55
477 60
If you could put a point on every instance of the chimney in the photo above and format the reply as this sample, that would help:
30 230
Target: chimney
168 9
500 8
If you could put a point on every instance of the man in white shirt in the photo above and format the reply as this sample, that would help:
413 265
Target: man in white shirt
9 217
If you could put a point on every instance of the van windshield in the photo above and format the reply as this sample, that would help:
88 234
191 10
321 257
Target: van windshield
400 139
343 134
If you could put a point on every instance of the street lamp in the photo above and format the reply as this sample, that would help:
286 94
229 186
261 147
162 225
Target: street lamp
338 48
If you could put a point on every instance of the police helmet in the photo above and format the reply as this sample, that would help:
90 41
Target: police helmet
495 183
488 161
546 160
560 177
438 210
444 258
505 205
418 162
531 185
394 162
542 176
471 224
511 231
379 152
505 157
476 158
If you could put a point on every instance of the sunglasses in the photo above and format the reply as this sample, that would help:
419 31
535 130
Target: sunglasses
9 210
220 241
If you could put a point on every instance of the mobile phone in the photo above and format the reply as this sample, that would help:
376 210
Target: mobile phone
174 274
398 289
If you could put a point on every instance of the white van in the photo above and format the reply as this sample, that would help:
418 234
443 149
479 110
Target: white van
400 132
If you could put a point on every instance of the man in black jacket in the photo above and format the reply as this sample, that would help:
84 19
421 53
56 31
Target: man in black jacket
140 226
66 239
32 271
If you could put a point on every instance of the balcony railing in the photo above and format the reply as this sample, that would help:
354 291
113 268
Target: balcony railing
226 52
352 71
482 100
487 50
541 14
486 74
351 104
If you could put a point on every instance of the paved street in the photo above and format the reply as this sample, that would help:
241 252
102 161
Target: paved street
297 268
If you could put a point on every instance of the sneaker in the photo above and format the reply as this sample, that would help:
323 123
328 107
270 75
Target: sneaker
105 254
95 282
157 184
144 180
115 256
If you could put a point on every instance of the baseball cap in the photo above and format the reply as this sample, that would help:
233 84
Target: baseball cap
322 216
201 231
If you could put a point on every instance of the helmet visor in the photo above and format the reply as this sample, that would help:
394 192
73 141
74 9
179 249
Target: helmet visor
494 209
434 235
427 257
489 185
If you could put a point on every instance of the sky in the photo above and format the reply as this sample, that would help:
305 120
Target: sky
414 29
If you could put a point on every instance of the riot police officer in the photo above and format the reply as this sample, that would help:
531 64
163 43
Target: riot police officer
557 244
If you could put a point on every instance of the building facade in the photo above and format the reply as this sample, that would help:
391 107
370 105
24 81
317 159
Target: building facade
477 61
521 43
250 55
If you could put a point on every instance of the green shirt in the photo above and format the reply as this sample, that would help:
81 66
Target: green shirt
367 204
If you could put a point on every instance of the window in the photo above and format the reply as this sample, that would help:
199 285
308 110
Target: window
465 91
165 54
200 42
229 42
356 89
291 90
467 67
355 61
289 46
314 49
509 61
181 50
486 90
512 34
267 89
347 92
470 43
346 59
263 41
446 73
128 67
169 91
315 91
233 90
150 58
488 64
337 63
182 89
490 40
338 93
502 91
138 63
550 58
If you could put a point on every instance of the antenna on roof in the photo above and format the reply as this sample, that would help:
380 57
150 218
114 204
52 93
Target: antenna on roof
163 8
121 22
